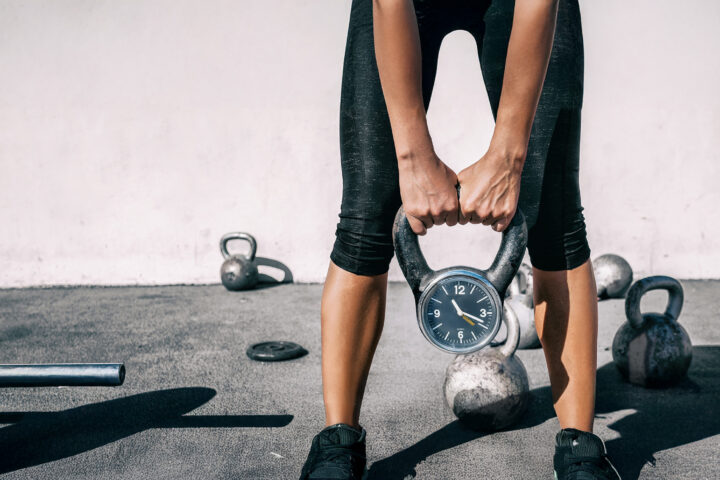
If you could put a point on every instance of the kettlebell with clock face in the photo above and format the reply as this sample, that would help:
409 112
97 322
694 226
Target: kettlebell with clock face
459 308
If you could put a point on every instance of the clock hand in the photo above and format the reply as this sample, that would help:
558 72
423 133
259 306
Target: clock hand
457 308
461 313
474 317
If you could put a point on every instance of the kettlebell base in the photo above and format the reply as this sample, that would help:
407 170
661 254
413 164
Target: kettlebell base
497 416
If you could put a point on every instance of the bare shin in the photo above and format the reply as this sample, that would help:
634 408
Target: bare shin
566 317
352 316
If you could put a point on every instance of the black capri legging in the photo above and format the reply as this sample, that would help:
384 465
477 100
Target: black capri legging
549 192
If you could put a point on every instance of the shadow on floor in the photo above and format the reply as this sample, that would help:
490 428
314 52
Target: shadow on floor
267 281
40 437
663 419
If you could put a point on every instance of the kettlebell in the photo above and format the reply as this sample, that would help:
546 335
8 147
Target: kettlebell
613 276
522 305
238 272
488 390
653 349
522 284
459 309
519 297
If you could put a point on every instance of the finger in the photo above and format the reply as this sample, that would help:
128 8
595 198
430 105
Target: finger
462 219
488 218
475 219
416 225
452 213
463 214
501 224
439 219
451 218
426 220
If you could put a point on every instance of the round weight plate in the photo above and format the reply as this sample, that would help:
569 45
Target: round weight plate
275 351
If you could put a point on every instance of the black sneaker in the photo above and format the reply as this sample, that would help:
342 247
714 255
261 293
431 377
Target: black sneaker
581 456
337 453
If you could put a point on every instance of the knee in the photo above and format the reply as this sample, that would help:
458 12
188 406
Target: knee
559 247
363 246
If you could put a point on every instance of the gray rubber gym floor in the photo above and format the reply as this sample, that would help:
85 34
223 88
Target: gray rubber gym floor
193 405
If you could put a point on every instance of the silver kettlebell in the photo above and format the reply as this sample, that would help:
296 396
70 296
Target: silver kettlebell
238 272
488 390
613 276
522 306
519 297
522 284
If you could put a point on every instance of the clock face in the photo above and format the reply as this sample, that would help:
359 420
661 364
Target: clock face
460 313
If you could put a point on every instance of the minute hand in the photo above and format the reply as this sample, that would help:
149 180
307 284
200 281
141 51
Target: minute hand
474 317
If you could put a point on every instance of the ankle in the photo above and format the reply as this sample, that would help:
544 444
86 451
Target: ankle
331 420
577 428
355 426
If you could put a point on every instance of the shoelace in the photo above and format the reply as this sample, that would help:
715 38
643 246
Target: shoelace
330 455
579 463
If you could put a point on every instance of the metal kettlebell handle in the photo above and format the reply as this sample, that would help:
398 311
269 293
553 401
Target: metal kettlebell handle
500 274
641 287
238 236
513 331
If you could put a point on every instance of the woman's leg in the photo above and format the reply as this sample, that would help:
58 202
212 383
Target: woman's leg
352 315
564 288
566 321
353 302
564 284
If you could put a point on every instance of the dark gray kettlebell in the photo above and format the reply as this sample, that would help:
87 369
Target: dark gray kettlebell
238 272
653 349
488 390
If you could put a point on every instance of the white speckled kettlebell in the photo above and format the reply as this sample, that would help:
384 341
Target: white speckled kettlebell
488 390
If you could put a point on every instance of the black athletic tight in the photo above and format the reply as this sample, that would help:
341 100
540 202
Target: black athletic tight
549 192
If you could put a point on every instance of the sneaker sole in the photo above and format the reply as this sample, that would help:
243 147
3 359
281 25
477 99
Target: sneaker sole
556 477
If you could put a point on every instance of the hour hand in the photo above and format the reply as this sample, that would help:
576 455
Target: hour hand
457 307
461 313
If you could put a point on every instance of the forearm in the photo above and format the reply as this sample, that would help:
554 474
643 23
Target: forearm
397 51
525 67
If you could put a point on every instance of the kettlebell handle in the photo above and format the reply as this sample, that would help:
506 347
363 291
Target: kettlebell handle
500 274
238 236
641 287
513 331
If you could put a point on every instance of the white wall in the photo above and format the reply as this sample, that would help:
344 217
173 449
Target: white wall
134 134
